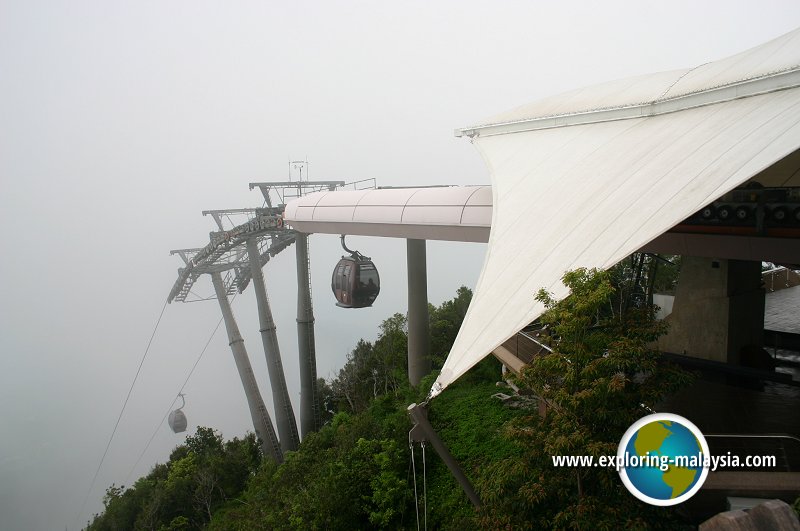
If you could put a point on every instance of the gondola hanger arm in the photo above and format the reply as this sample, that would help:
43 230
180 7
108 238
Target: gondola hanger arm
354 254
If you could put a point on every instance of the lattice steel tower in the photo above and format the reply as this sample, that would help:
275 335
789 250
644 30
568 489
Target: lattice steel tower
240 252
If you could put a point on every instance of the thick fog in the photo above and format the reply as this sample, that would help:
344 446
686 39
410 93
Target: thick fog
121 121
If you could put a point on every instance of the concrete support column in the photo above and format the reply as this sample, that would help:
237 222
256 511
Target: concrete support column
262 423
284 414
309 405
718 309
419 341
746 309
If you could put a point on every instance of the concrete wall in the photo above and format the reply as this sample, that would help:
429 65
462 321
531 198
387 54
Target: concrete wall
718 309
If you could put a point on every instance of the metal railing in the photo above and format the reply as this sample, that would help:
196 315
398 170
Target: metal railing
359 185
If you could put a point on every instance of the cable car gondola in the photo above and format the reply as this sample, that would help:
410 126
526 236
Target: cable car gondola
177 419
355 281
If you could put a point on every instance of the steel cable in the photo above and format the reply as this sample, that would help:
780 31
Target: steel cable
186 381
119 417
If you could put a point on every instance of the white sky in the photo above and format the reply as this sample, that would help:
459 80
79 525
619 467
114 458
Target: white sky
121 121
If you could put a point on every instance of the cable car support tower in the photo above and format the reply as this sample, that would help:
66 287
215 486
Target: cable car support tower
235 256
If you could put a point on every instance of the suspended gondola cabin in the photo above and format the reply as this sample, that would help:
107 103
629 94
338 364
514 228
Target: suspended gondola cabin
355 282
177 419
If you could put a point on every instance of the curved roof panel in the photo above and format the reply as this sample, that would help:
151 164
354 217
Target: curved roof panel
435 213
589 189
660 92
618 93
775 56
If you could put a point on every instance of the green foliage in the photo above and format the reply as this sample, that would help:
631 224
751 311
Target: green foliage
471 424
636 278
595 385
179 523
201 475
355 472
326 401
379 368
205 442
352 474
445 322
373 369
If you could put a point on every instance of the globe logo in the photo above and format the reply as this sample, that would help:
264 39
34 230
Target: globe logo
662 459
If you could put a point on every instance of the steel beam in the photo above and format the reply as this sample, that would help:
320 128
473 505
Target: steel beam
309 404
419 341
284 415
262 423
425 432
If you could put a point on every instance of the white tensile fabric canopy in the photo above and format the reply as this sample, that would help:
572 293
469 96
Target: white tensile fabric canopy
586 178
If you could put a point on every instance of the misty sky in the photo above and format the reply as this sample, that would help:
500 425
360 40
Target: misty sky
121 121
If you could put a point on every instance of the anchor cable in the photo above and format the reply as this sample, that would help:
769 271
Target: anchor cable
424 485
119 417
185 382
414 474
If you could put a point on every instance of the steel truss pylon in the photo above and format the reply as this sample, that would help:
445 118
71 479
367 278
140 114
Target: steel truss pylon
309 402
258 410
284 415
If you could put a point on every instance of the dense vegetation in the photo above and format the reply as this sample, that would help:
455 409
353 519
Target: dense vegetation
357 472
600 378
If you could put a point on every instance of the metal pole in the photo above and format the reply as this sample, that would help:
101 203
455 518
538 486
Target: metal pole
284 415
419 342
309 406
420 418
262 423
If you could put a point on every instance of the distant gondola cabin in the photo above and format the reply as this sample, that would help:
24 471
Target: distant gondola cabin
355 282
177 421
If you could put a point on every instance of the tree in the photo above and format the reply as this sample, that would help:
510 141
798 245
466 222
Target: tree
348 387
200 476
640 275
326 401
354 473
205 441
599 379
375 369
445 322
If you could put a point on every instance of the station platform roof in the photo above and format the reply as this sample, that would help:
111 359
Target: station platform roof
585 178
